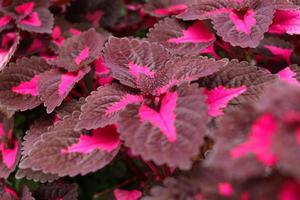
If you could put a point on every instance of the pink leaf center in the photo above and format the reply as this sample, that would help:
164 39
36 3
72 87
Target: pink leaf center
32 20
9 155
259 141
104 139
136 70
225 189
25 8
165 118
67 80
127 195
83 55
28 87
171 10
218 98
4 20
243 20
120 105
197 33
288 76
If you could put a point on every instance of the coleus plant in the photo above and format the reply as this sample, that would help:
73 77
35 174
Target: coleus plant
194 108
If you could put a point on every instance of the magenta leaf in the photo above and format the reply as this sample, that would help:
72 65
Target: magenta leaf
164 8
59 139
79 51
290 75
4 22
181 38
7 193
178 70
103 106
128 59
218 98
55 85
286 21
18 83
170 133
242 23
9 147
127 195
9 43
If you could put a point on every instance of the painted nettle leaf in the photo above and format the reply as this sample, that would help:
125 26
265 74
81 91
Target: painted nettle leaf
150 100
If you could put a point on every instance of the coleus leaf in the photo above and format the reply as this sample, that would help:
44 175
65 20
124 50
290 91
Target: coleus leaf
242 23
25 194
40 20
127 195
57 191
248 81
164 8
103 106
178 70
170 134
55 85
72 152
19 83
7 193
286 21
9 148
9 43
181 38
79 51
128 59
4 22
291 75
32 136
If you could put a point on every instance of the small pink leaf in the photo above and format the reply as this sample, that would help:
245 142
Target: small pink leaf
25 8
127 195
31 20
165 8
4 20
289 76
286 21
218 98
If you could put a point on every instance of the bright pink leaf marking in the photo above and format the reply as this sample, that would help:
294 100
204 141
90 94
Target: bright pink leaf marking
104 139
127 195
225 189
218 98
9 156
288 76
127 99
290 191
171 10
74 31
32 20
100 68
277 51
196 33
4 20
28 87
259 141
11 192
211 50
67 80
37 44
135 70
286 21
243 23
165 118
25 8
58 39
1 130
84 54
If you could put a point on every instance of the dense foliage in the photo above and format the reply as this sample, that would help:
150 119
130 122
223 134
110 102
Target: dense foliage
153 100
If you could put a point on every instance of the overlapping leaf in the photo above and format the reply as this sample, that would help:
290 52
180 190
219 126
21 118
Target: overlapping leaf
55 85
181 38
128 59
79 51
164 8
72 153
9 43
19 83
103 106
167 133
